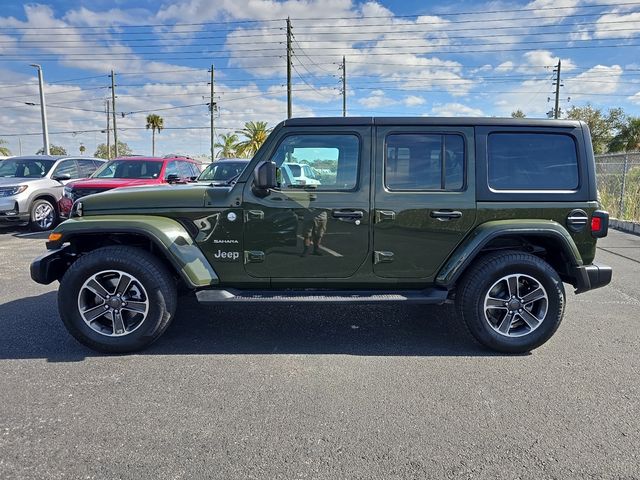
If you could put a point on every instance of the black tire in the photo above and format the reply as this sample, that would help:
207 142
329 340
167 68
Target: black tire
481 277
33 224
148 271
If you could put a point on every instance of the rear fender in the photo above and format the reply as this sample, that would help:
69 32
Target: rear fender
165 233
471 247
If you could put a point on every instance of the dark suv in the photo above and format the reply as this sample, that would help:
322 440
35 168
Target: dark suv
492 214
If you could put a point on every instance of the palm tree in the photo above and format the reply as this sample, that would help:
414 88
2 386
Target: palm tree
4 151
227 145
155 123
82 149
629 137
255 133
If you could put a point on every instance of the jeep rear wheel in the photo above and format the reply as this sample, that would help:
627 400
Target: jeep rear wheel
117 299
511 301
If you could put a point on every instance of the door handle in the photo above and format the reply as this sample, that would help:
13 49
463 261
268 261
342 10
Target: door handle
444 215
348 214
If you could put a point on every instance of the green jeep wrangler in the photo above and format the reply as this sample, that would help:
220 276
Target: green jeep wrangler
491 214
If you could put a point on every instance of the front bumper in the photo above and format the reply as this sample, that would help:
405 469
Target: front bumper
50 266
589 277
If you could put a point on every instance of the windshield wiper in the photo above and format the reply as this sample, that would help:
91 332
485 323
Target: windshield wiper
231 181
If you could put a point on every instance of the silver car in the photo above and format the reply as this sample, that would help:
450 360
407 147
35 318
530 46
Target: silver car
31 186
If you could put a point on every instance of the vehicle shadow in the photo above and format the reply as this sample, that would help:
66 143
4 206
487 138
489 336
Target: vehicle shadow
30 328
17 231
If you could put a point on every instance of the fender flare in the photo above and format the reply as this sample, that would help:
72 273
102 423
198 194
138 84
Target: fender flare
165 233
471 247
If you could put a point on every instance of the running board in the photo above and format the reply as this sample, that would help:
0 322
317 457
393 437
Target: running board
427 296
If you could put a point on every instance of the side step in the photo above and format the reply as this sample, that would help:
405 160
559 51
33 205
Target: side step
427 296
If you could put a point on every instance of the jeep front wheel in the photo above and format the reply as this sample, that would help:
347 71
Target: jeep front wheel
117 299
511 302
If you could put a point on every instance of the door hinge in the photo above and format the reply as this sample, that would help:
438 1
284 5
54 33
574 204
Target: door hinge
385 215
382 257
253 256
254 215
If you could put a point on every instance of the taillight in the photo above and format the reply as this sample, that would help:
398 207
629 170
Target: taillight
599 224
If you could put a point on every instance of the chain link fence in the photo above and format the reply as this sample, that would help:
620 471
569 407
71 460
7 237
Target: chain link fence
619 184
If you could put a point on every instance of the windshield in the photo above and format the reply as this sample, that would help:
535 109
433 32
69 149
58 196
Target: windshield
25 167
222 171
129 169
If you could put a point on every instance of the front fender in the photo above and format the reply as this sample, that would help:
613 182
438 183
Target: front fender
167 234
483 234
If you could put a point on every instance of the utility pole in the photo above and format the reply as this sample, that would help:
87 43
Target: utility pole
556 110
289 34
43 111
108 133
212 109
113 111
344 87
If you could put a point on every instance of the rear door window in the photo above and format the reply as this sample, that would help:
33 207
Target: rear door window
532 161
416 161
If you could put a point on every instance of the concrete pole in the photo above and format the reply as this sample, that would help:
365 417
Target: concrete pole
43 111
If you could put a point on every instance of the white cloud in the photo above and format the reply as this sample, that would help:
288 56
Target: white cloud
413 101
456 110
606 29
376 98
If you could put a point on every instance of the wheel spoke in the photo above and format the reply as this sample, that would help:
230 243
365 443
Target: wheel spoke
495 302
529 318
512 284
505 324
91 314
97 289
530 297
137 307
123 284
118 323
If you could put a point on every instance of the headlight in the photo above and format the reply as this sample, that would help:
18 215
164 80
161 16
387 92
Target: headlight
10 191
66 192
77 210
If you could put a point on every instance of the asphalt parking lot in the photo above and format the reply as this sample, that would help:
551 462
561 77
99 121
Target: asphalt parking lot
320 392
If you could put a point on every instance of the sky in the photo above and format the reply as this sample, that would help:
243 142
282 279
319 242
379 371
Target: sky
403 58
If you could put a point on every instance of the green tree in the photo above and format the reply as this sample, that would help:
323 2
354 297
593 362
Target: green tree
82 149
123 150
53 150
603 126
4 151
227 145
518 114
254 133
628 139
155 123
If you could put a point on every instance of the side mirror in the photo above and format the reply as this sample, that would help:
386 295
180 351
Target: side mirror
62 177
173 178
264 176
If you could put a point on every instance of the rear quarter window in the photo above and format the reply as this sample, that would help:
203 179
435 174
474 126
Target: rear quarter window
532 161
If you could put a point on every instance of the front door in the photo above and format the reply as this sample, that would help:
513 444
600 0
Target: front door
316 224
424 198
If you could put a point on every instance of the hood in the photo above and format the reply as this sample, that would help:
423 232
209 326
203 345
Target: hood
108 183
155 199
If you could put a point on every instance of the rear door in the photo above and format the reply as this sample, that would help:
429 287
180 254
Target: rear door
424 197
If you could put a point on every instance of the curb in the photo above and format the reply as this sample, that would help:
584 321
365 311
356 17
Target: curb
625 226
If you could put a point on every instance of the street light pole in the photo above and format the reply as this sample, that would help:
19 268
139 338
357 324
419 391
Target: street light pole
43 110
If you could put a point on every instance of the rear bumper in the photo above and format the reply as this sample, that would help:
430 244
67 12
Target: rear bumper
50 266
589 277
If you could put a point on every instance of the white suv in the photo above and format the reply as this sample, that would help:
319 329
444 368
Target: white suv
299 174
31 186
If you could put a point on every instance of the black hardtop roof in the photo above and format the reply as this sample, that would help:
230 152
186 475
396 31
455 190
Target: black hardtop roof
431 121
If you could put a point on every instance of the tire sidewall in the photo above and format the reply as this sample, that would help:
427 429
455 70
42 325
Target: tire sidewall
543 274
158 316
32 223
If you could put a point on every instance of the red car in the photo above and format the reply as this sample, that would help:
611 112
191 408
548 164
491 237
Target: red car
130 172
